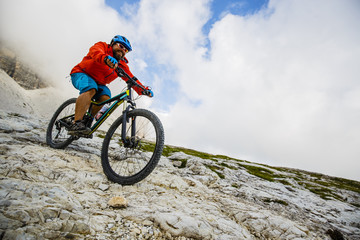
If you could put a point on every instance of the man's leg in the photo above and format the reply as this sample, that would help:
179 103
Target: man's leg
95 109
83 104
102 95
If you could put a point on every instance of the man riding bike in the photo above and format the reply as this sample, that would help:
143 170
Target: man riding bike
92 74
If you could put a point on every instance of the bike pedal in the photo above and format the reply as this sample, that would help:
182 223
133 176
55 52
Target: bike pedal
75 134
87 136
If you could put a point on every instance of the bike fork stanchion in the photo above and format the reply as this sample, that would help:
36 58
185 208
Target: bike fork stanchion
128 142
133 131
123 130
125 120
133 127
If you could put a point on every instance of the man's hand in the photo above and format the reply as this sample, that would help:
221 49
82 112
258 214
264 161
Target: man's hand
148 92
110 61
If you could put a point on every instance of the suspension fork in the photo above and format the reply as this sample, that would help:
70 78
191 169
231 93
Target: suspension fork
128 142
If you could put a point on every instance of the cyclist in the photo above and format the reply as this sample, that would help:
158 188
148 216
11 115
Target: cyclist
92 74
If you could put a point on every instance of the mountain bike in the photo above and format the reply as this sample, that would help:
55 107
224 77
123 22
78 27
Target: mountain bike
132 146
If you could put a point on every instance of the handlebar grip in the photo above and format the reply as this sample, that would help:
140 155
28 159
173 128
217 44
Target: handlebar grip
148 92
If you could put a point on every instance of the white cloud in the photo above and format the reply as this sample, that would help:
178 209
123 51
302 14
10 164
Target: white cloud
279 87
53 36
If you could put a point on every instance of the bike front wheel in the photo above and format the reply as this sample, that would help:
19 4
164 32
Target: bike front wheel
129 162
57 133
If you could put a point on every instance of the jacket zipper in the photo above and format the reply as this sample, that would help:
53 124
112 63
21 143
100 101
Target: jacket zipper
110 74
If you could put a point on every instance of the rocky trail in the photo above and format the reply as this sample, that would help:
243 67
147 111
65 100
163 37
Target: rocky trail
63 194
47 193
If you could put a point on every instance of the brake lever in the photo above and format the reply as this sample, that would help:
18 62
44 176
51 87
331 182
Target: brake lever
120 72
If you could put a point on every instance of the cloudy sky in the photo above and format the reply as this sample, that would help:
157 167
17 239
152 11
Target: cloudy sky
275 82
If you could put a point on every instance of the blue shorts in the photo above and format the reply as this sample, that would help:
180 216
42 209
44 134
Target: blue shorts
84 83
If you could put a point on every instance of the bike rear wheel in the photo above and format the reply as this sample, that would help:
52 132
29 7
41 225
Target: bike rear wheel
57 133
126 164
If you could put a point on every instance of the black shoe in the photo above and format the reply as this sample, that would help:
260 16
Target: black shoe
79 128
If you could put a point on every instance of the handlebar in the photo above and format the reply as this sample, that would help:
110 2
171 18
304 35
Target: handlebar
131 81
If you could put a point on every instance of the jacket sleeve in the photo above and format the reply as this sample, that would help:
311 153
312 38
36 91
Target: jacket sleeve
126 68
137 89
98 52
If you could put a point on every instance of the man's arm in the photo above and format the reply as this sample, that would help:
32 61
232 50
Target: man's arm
98 52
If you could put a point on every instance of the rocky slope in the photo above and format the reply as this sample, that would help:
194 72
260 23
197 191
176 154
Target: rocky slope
19 71
63 194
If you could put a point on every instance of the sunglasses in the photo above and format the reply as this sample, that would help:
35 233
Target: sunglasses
122 47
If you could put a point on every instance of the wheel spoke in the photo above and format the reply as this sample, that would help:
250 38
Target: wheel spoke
56 135
127 164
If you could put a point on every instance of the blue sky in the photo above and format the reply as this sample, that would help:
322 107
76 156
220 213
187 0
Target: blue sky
218 9
242 7
274 82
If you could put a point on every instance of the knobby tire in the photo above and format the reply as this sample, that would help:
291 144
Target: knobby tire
61 139
129 165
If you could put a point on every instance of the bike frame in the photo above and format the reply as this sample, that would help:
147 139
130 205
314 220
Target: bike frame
119 99
123 98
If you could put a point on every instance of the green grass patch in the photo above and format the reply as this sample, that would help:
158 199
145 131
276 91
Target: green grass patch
198 154
345 184
321 181
147 146
324 186
101 134
323 192
217 170
326 181
168 150
228 166
260 172
284 182
183 162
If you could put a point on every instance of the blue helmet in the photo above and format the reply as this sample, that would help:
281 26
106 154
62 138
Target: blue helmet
123 40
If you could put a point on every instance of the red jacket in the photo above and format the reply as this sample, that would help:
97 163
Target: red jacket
93 64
